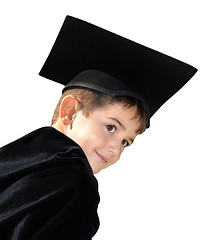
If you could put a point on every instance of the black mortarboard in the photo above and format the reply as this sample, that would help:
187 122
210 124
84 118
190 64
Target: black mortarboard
85 55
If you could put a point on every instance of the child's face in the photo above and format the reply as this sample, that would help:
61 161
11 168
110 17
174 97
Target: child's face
104 134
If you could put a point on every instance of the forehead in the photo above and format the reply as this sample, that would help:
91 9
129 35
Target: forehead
120 108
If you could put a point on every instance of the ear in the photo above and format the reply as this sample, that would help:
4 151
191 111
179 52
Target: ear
68 108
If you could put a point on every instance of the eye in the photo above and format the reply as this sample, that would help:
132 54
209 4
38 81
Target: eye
125 143
111 128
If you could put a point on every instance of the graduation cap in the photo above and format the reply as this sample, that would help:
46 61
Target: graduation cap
88 56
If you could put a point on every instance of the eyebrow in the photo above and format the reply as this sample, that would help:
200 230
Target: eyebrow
116 120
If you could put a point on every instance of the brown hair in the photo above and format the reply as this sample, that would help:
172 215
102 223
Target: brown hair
90 99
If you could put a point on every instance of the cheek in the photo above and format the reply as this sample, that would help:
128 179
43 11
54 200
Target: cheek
97 139
92 138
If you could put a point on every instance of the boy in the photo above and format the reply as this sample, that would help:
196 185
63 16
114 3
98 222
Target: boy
102 125
113 87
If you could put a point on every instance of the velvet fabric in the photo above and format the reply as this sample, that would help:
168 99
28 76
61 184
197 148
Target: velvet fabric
47 189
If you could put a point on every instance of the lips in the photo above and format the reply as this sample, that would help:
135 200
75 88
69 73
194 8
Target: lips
102 158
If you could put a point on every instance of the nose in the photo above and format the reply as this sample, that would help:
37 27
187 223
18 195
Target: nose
115 149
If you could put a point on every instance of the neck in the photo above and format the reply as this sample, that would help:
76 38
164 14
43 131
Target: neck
57 125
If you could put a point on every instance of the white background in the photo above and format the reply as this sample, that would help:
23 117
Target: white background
162 186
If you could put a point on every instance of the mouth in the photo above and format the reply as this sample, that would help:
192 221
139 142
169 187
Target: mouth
102 158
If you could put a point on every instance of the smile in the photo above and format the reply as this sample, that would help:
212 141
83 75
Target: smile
102 158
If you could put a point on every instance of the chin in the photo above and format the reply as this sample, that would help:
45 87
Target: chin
95 170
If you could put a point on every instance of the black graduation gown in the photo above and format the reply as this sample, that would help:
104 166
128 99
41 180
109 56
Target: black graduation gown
47 189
